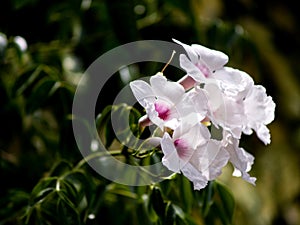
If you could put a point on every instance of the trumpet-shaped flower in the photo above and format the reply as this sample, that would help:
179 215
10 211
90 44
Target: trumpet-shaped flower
202 61
166 102
159 99
191 151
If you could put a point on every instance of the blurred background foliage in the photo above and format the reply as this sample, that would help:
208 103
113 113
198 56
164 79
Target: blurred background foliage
45 46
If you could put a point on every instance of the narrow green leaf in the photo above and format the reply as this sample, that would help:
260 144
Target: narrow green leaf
105 130
208 193
68 192
225 203
157 202
67 213
41 93
170 214
187 194
60 168
81 183
13 204
26 80
42 189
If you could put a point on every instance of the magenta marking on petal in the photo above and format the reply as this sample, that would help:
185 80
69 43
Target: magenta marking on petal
182 148
163 110
204 69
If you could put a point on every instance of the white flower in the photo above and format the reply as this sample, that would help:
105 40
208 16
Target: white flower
191 151
210 93
166 102
159 99
202 61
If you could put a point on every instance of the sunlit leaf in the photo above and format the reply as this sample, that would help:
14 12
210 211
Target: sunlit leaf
83 185
42 189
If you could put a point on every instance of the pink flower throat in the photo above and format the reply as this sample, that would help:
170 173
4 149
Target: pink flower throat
163 110
204 69
181 147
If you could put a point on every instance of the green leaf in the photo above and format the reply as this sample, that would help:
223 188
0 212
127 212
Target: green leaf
207 198
42 189
26 80
221 204
68 192
13 204
60 168
225 203
41 93
157 202
118 121
67 213
82 184
187 194
104 127
170 214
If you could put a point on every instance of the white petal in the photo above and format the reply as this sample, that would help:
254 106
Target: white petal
260 111
173 158
233 82
170 159
263 133
230 115
166 90
241 160
205 164
192 108
196 135
213 59
199 100
195 176
141 91
210 159
190 68
189 50
153 114
258 106
172 123
215 97
225 111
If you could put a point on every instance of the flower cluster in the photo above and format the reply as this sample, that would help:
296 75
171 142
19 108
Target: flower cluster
210 94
